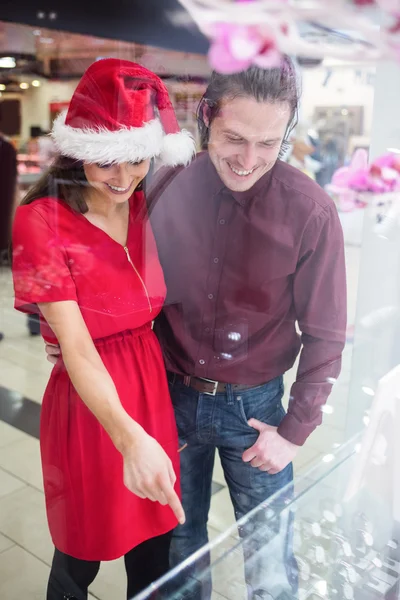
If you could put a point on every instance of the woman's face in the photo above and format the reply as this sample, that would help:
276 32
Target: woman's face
116 181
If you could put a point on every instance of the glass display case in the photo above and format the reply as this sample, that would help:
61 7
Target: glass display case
345 545
341 523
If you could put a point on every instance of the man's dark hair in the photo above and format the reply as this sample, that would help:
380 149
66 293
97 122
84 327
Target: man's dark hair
278 85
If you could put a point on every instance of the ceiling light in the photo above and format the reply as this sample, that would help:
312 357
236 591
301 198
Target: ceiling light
36 83
2 87
7 62
23 85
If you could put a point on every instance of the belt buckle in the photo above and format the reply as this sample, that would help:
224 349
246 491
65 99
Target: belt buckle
213 393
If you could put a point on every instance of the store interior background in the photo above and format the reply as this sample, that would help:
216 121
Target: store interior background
338 103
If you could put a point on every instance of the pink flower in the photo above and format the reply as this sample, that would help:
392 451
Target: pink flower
236 47
355 176
386 160
363 2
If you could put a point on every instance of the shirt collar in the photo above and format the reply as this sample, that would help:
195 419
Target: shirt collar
241 197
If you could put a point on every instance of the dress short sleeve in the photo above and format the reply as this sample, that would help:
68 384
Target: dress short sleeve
39 260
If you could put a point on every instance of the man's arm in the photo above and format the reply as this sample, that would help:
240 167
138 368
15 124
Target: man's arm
320 301
319 290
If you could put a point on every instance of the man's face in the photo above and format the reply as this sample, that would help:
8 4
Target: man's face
245 140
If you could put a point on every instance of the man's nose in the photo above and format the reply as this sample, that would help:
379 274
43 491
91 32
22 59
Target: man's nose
247 157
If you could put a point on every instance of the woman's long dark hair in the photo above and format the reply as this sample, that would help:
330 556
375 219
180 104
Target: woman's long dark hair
65 180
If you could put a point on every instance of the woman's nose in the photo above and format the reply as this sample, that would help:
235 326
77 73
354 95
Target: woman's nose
124 174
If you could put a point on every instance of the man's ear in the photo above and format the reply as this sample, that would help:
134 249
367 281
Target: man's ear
206 114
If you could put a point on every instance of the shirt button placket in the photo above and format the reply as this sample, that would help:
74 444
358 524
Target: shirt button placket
215 270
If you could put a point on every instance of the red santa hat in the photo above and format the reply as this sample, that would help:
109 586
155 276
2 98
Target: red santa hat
121 112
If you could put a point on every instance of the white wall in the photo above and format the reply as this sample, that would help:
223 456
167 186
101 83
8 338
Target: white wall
377 326
386 123
36 103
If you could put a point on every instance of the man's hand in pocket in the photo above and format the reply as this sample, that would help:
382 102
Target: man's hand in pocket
271 452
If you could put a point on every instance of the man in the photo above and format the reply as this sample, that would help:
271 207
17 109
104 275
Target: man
249 246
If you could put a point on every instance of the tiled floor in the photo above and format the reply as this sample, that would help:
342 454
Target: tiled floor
25 545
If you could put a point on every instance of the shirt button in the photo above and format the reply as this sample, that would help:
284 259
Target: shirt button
210 296
207 330
216 260
202 362
222 222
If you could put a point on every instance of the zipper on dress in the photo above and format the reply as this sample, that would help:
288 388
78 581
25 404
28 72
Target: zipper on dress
138 274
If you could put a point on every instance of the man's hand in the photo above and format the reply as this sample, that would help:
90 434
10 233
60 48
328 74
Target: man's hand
271 452
53 353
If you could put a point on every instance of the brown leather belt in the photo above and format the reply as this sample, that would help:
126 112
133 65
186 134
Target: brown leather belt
207 386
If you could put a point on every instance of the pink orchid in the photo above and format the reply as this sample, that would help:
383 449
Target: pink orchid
354 176
348 182
386 160
385 173
363 2
381 177
236 47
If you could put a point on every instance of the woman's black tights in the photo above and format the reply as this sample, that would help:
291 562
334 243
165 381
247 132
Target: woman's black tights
70 577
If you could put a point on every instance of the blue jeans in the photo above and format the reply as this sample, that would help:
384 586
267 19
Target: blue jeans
206 423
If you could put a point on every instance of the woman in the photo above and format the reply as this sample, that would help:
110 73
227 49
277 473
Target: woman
84 258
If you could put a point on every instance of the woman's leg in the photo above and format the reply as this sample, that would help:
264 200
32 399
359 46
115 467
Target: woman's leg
147 562
70 577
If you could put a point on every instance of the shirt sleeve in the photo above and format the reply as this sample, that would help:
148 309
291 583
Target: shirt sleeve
320 299
39 262
159 184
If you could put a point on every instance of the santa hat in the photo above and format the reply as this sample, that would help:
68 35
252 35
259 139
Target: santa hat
121 112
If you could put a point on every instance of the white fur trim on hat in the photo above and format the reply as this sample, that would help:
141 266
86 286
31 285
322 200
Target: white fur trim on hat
178 148
99 145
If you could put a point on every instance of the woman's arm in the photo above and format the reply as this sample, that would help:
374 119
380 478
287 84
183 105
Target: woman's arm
148 471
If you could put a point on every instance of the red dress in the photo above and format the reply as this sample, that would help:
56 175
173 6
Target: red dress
59 255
